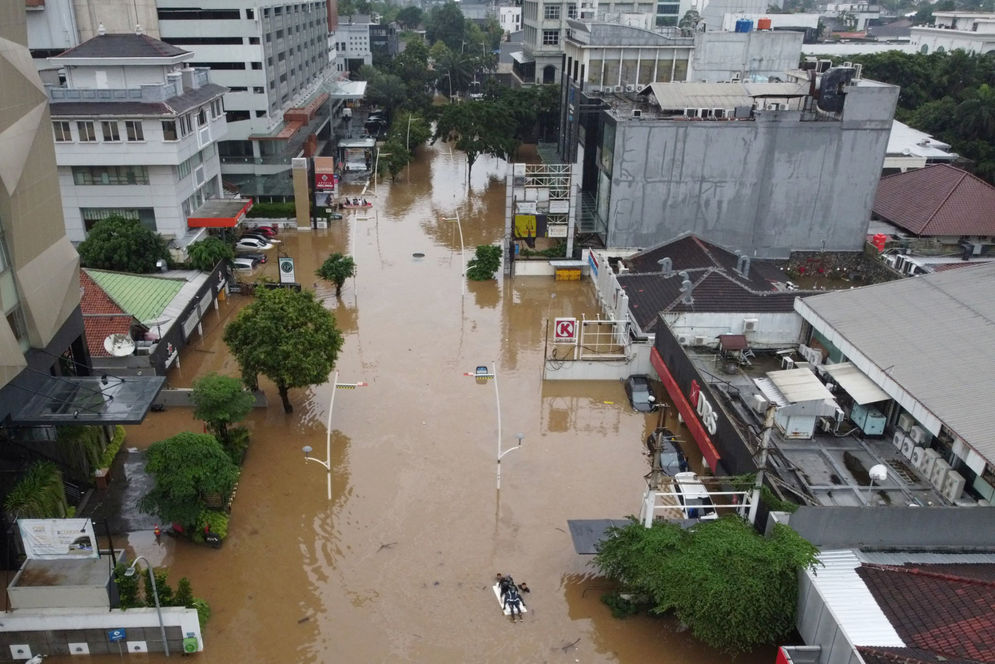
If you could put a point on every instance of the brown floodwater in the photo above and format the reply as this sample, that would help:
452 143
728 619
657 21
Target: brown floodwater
398 566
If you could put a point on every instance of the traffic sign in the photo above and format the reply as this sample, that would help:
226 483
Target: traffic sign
116 635
565 331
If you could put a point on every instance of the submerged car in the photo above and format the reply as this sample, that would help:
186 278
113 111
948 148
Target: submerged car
637 388
666 451
243 263
252 244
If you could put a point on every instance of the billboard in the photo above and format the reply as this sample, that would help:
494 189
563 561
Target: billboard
324 181
287 274
54 539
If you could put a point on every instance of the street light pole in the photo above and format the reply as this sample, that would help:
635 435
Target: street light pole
497 400
307 449
462 251
155 594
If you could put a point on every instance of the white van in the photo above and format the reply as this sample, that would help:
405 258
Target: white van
694 496
240 263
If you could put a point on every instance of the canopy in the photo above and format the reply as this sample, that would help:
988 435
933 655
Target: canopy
856 383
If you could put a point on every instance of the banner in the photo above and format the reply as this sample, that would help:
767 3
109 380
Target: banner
324 181
52 539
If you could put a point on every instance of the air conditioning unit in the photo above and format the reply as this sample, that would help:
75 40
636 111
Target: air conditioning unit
619 88
917 456
636 113
787 363
928 460
630 88
718 113
939 473
905 422
907 447
953 486
683 339
919 435
826 424
897 439
691 112
858 70
772 106
699 341
704 112
848 65
759 403
750 324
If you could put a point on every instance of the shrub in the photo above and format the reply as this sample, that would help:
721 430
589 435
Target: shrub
113 447
218 521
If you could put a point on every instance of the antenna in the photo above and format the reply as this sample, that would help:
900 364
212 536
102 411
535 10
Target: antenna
119 345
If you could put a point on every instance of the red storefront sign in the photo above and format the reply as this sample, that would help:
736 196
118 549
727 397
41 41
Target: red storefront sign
687 411
324 181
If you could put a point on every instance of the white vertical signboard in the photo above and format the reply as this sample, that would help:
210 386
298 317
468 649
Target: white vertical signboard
52 539
287 275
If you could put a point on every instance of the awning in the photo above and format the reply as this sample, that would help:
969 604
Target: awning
55 400
856 383
347 89
733 342
521 58
586 533
220 213
798 385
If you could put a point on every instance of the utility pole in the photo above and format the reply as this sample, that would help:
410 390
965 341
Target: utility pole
764 447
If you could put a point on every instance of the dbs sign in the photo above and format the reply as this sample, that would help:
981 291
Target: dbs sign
703 408
565 331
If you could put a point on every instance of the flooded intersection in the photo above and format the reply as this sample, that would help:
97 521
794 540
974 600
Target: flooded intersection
398 567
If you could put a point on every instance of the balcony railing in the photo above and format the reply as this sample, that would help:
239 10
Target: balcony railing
146 93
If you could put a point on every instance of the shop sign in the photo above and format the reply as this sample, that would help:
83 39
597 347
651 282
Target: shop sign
704 409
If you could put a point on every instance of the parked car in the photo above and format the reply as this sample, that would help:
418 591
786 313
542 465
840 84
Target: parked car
243 263
252 244
637 388
666 451
268 231
261 236
258 258
694 497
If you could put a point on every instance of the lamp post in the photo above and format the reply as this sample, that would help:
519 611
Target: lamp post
155 594
307 449
481 372
462 252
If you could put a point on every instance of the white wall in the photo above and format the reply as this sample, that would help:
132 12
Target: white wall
935 38
773 330
131 76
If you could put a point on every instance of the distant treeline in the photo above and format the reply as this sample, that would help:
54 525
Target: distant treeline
948 95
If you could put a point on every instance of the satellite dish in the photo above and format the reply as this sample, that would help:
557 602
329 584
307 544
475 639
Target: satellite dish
878 473
119 345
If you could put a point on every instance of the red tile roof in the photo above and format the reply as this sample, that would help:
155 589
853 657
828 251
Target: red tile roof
944 611
937 200
101 316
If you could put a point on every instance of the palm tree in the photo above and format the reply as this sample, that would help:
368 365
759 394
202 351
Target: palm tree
976 114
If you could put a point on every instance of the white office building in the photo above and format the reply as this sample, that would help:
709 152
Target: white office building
136 134
973 32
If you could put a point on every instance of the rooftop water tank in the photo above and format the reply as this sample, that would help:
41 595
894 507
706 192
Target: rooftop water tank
763 24
744 25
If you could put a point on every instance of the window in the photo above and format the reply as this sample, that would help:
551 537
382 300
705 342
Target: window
91 216
169 130
202 40
250 13
571 12
551 12
253 40
110 131
169 14
215 108
259 90
85 175
237 88
133 130
219 65
257 65
86 131
15 318
550 37
63 132
260 114
202 116
185 167
668 9
235 116
185 125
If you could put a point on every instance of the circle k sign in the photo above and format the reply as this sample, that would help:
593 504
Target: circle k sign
565 331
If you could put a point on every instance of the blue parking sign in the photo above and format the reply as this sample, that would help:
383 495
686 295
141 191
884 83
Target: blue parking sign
115 635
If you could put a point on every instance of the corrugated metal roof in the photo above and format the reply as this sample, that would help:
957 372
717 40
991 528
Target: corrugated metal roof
798 385
850 601
925 558
856 383
681 95
932 335
937 200
143 297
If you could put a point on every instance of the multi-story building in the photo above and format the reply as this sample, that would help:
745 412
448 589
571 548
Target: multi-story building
510 19
44 379
763 167
973 32
136 134
352 42
383 39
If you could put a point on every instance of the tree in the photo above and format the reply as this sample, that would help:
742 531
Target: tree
219 401
733 588
287 336
205 254
485 262
38 494
116 243
482 127
410 17
445 24
336 269
976 114
189 471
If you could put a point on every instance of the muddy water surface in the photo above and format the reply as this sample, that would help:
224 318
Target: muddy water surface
398 566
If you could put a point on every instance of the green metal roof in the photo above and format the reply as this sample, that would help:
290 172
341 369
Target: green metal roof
145 298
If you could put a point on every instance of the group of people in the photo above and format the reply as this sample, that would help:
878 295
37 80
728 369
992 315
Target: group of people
511 598
355 202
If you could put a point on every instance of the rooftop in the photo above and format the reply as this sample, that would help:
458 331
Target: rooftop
930 336
937 200
101 316
144 297
124 45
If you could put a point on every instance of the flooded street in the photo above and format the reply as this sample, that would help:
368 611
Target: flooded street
398 567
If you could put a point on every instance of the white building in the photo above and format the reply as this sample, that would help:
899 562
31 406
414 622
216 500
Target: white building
510 19
352 42
909 149
136 134
973 32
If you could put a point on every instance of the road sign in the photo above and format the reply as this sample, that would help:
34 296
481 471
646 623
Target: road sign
116 635
565 331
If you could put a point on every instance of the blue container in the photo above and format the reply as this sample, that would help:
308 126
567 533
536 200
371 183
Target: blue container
743 25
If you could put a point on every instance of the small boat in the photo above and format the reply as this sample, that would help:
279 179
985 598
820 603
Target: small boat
349 206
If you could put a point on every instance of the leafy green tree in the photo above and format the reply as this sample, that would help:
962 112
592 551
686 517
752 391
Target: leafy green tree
410 17
287 336
454 70
205 254
733 588
116 243
445 23
184 593
482 127
220 401
162 588
976 114
189 470
38 494
393 158
485 262
127 587
383 89
336 269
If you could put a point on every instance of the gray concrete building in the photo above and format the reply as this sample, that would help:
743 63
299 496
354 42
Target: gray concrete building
764 167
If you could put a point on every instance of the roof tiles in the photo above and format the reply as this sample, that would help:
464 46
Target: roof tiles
937 200
123 45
